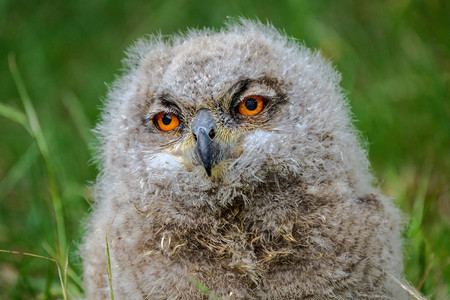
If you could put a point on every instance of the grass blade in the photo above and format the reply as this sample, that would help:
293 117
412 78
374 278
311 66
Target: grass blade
66 267
18 170
108 268
202 288
408 288
42 257
76 112
15 115
43 149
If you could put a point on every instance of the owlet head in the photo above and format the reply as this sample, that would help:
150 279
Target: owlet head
222 112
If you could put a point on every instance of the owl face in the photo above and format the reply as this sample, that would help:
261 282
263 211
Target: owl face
223 114
210 134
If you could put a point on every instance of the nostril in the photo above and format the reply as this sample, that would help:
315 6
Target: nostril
212 133
195 136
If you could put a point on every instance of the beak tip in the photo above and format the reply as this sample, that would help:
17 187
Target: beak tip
208 169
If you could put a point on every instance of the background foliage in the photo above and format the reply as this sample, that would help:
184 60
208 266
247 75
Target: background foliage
394 57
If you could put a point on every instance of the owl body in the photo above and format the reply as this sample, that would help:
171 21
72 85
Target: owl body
231 169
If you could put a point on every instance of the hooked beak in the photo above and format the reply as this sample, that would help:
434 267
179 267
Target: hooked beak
204 130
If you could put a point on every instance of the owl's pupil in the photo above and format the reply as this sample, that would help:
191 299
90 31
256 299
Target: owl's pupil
166 119
251 104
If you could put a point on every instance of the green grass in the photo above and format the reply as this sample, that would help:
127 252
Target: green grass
108 269
204 289
394 60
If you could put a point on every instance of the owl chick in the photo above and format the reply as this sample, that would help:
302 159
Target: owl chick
230 168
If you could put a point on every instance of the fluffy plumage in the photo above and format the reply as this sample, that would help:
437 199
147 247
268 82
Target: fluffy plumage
288 211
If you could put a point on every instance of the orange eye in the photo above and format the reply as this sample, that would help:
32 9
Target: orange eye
166 121
252 105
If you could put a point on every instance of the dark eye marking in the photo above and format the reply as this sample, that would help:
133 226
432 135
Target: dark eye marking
167 101
237 90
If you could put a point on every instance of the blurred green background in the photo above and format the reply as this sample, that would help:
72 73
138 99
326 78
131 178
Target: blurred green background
394 57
